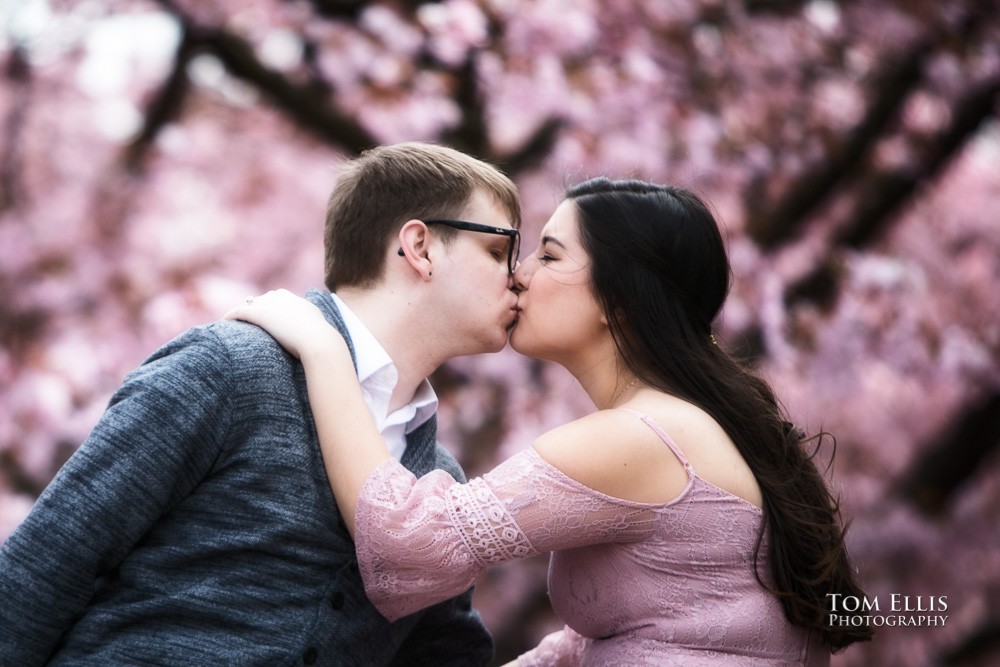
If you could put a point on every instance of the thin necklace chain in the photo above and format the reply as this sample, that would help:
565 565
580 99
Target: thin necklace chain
623 390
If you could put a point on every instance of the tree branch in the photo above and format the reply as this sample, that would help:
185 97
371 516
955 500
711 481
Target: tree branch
166 104
885 193
305 104
980 644
959 450
774 227
18 74
779 224
536 149
881 194
471 134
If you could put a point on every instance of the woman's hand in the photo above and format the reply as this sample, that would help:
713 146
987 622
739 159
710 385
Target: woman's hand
296 324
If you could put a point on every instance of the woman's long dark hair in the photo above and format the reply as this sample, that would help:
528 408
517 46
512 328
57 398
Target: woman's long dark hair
660 270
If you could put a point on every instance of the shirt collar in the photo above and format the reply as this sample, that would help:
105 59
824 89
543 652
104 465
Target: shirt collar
377 372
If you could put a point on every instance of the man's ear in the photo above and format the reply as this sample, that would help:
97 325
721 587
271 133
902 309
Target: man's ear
414 244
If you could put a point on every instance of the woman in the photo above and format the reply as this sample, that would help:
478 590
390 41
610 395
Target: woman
716 544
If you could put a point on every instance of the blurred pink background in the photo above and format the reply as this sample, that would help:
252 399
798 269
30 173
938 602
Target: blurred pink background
161 160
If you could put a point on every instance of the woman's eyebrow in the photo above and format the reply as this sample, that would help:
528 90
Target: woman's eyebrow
552 239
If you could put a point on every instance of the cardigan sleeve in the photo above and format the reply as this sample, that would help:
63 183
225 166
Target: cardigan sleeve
423 540
159 436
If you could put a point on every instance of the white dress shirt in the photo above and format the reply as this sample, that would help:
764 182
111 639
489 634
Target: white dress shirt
378 376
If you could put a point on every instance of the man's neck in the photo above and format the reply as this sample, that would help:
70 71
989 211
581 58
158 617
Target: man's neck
392 326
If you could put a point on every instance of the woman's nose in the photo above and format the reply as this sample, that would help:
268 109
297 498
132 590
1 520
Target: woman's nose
522 275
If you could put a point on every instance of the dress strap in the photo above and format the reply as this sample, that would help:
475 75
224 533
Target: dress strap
663 436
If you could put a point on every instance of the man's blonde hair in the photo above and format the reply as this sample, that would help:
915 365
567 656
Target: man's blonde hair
386 186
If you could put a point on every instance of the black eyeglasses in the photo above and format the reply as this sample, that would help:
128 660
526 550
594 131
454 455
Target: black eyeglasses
513 249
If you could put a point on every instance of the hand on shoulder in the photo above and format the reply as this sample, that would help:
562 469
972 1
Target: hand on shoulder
298 325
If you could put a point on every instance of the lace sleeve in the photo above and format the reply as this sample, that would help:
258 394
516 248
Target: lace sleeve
423 541
560 649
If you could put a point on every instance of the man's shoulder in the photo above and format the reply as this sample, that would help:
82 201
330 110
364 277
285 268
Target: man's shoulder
446 461
227 355
239 339
217 343
235 335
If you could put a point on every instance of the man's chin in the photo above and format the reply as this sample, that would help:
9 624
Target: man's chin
498 344
506 339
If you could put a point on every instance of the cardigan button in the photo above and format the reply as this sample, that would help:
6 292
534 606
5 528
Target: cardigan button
337 602
309 657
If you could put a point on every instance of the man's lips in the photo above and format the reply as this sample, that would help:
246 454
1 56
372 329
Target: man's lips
515 311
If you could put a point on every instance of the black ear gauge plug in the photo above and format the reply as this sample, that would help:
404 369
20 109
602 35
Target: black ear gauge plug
403 254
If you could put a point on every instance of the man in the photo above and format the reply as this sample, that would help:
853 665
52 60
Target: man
195 525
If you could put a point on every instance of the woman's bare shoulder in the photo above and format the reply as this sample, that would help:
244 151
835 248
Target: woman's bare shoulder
710 450
615 453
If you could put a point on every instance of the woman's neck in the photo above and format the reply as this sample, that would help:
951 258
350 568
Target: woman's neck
605 378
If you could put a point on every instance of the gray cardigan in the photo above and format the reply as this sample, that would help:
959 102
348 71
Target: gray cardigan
196 526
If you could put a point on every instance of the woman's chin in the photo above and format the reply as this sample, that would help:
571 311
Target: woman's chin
520 342
516 341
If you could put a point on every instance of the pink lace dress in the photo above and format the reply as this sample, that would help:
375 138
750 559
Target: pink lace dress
635 583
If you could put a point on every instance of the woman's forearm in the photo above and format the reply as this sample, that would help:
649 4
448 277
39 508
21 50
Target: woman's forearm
352 447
